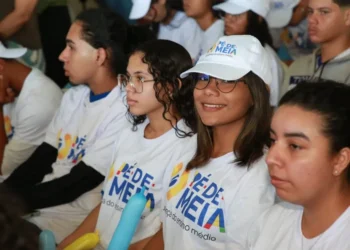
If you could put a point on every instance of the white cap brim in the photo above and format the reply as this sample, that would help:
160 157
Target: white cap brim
279 18
139 8
230 8
12 53
224 72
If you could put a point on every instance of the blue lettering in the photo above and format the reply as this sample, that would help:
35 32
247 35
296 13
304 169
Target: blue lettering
137 175
150 198
127 193
226 49
192 206
210 191
184 200
81 143
202 215
146 180
200 183
214 201
117 189
125 175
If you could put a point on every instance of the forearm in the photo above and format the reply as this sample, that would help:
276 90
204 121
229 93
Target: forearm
157 242
88 226
3 137
12 23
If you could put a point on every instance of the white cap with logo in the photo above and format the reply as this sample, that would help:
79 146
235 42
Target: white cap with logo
139 8
232 57
281 12
11 53
236 7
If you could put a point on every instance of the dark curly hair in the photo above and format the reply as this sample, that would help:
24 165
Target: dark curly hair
166 60
102 28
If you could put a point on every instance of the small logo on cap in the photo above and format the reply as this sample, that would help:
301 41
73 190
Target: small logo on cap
223 48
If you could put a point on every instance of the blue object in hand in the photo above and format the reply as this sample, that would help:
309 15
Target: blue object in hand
47 240
128 222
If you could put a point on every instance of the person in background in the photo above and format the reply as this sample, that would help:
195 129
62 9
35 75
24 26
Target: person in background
217 190
29 101
288 26
19 28
169 22
212 27
63 177
248 17
329 27
309 165
161 108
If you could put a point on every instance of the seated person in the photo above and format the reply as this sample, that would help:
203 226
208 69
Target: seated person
288 26
248 17
169 22
19 28
24 121
309 164
329 26
63 175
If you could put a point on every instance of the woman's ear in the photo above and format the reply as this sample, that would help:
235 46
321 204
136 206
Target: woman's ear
342 161
347 17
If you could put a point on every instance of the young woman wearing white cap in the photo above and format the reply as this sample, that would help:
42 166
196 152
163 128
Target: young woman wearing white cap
170 22
219 188
309 164
161 108
248 17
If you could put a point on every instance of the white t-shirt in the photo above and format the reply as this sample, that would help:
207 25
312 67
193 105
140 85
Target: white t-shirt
277 75
184 31
279 228
210 36
28 117
81 131
214 206
139 162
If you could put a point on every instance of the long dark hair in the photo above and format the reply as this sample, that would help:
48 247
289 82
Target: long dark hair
102 28
254 135
166 60
331 101
258 27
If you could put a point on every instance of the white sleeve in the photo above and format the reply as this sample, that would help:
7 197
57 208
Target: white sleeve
192 38
33 121
55 125
254 197
98 156
16 152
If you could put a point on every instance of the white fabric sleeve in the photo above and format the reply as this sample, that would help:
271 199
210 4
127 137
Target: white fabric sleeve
32 121
254 197
16 152
54 126
98 156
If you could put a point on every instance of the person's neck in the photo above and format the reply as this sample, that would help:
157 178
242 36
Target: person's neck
224 137
17 74
158 125
169 17
206 20
102 83
319 215
332 49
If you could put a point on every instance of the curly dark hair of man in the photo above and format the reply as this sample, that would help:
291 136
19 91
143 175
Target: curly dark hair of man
166 60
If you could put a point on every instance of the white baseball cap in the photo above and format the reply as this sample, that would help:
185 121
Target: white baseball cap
139 8
281 12
232 57
11 53
235 7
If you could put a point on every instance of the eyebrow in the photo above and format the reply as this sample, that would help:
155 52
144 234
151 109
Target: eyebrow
70 41
137 72
293 134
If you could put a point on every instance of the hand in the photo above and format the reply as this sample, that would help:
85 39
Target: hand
7 95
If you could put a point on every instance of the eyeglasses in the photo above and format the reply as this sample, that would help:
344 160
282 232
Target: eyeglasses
222 85
223 14
135 81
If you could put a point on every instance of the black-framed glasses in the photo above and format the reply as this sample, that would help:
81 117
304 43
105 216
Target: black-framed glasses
222 14
223 86
135 81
